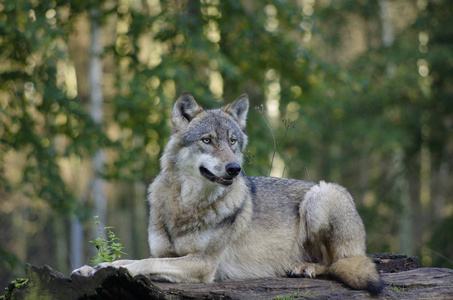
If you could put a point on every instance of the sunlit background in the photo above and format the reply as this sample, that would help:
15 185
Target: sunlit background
357 92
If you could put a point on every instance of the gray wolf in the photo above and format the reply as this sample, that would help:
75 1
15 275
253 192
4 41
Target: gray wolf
210 221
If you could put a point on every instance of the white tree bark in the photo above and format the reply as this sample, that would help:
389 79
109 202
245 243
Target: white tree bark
386 24
97 100
77 233
97 184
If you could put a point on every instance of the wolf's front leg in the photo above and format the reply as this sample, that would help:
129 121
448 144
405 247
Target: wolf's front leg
190 268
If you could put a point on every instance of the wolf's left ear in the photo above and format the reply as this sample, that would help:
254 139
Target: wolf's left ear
239 109
184 110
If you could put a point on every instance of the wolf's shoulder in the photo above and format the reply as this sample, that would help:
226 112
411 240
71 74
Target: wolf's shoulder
274 183
279 191
276 198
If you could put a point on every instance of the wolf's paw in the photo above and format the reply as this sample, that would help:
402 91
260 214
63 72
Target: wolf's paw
87 271
84 271
105 265
302 269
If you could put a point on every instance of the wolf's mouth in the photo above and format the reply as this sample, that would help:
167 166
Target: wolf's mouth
211 177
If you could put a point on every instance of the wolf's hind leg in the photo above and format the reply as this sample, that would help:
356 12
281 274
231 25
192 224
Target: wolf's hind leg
305 269
335 231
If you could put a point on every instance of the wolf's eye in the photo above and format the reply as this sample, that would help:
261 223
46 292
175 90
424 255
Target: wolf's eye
206 140
233 141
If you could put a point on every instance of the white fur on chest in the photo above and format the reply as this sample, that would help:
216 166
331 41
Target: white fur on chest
192 218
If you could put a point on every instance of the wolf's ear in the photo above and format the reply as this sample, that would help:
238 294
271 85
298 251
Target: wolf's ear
184 110
239 109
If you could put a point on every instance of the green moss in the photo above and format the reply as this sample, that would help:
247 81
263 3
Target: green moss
296 296
19 283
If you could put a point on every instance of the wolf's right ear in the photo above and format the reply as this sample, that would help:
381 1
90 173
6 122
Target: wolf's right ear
184 110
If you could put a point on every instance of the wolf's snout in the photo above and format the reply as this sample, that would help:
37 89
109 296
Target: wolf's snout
233 169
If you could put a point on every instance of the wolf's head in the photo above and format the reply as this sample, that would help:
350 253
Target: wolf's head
208 143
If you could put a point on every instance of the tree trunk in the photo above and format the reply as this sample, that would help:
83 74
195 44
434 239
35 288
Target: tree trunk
97 184
386 24
110 283
405 220
97 99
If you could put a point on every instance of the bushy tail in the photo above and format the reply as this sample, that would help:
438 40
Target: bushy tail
358 272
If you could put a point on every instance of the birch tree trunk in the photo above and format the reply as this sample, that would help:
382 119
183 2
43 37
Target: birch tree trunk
77 233
97 183
76 243
96 100
386 24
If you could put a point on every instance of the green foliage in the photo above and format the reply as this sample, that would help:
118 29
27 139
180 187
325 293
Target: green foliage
109 248
19 283
37 113
9 261
441 242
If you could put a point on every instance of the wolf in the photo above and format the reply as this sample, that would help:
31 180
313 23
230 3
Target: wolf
210 221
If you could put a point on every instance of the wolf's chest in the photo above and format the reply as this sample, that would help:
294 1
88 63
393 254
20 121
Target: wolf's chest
203 229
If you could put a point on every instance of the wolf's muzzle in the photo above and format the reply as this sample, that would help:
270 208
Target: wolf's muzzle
232 169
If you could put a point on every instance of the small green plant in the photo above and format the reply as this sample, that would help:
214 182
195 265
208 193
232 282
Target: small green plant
284 297
19 283
295 296
109 248
396 288
289 297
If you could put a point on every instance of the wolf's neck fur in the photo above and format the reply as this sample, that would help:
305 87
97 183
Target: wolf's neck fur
196 205
196 193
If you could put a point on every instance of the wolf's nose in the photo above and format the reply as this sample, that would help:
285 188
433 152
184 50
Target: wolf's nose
233 169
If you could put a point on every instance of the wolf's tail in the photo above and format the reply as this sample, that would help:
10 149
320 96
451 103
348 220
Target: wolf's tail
358 272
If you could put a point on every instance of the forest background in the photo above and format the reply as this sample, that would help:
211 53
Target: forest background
357 92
